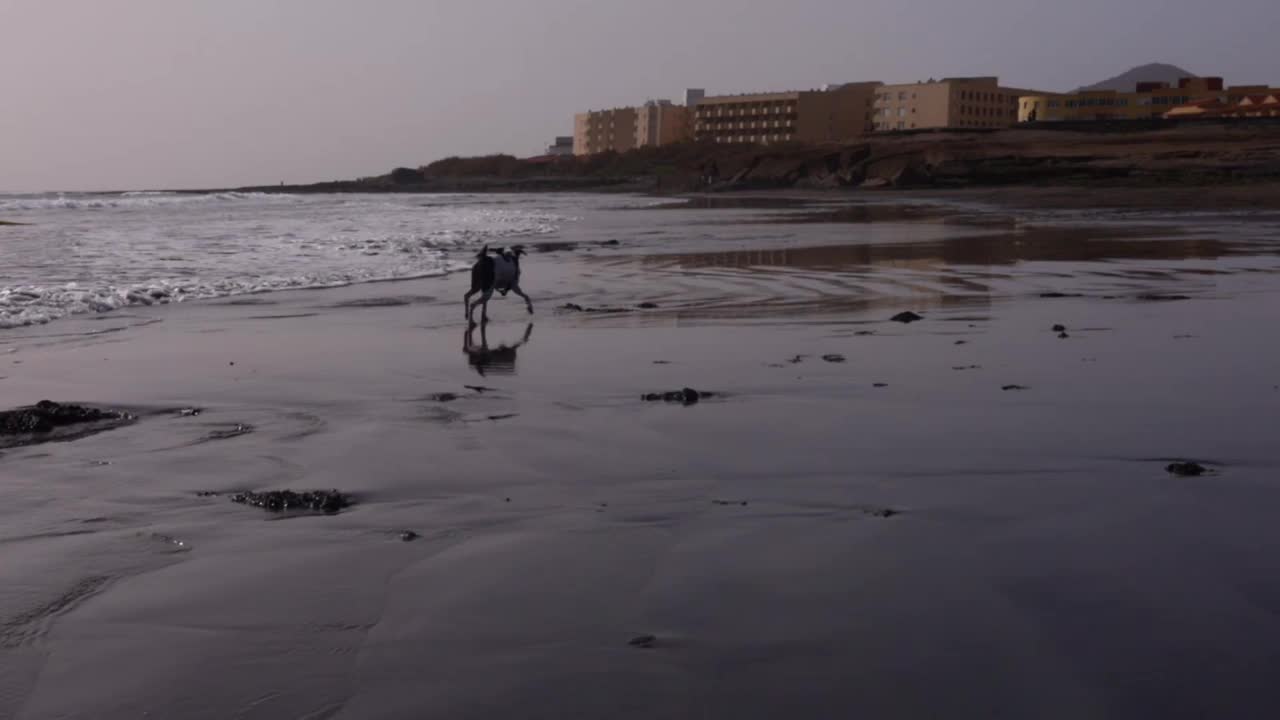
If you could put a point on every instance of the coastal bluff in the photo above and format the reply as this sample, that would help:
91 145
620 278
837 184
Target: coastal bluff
1121 154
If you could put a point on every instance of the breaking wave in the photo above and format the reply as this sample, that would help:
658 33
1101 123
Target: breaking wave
137 199
153 248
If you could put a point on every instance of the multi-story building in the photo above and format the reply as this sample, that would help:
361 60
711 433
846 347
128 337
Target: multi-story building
975 102
604 130
1149 100
659 122
562 146
837 113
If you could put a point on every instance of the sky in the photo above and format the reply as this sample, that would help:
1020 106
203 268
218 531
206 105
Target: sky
144 94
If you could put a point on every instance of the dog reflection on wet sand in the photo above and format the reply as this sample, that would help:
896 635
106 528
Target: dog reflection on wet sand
500 360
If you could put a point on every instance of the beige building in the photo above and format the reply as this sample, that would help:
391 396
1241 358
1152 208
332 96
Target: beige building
837 113
659 122
977 102
1149 101
604 130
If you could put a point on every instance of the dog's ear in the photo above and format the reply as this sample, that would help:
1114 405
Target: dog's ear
518 250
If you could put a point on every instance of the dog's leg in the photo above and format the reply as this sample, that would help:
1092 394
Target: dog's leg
466 302
484 308
528 304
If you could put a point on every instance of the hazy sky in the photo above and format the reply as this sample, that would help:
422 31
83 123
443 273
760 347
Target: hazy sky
118 94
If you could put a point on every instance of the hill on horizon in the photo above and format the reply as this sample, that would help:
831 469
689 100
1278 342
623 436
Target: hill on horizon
1128 81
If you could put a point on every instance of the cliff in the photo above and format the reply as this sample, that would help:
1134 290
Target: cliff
1124 154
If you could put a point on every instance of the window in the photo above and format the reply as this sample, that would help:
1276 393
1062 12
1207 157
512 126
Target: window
902 96
902 112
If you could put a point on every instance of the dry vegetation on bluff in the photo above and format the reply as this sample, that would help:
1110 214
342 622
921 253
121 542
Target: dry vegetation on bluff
1186 155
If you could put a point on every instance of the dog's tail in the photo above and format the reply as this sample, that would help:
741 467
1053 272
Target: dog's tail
484 253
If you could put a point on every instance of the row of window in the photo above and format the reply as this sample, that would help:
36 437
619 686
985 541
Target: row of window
704 127
745 118
986 111
1094 102
904 125
776 107
988 97
746 138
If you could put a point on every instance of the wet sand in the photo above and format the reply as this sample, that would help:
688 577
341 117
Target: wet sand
887 532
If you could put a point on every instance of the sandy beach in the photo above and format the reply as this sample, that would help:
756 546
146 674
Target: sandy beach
964 516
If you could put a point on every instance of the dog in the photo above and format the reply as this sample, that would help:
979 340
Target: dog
501 272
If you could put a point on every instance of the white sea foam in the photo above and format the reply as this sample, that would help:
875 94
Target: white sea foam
129 200
149 248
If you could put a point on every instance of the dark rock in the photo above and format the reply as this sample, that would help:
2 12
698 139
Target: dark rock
797 359
190 412
864 333
1013 387
906 317
575 307
742 503
661 362
881 385
1059 328
962 342
319 501
507 416
480 388
686 396
643 641
834 358
1160 297
648 306
1063 336
614 241
231 432
206 493
409 536
1060 295
50 421
46 415
880 512
443 397
1186 469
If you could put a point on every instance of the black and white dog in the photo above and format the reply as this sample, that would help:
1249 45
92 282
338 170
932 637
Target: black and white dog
499 271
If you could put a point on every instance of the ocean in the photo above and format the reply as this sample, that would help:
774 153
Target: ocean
96 252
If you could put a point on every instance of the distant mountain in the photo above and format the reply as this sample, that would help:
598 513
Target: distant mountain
1128 81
